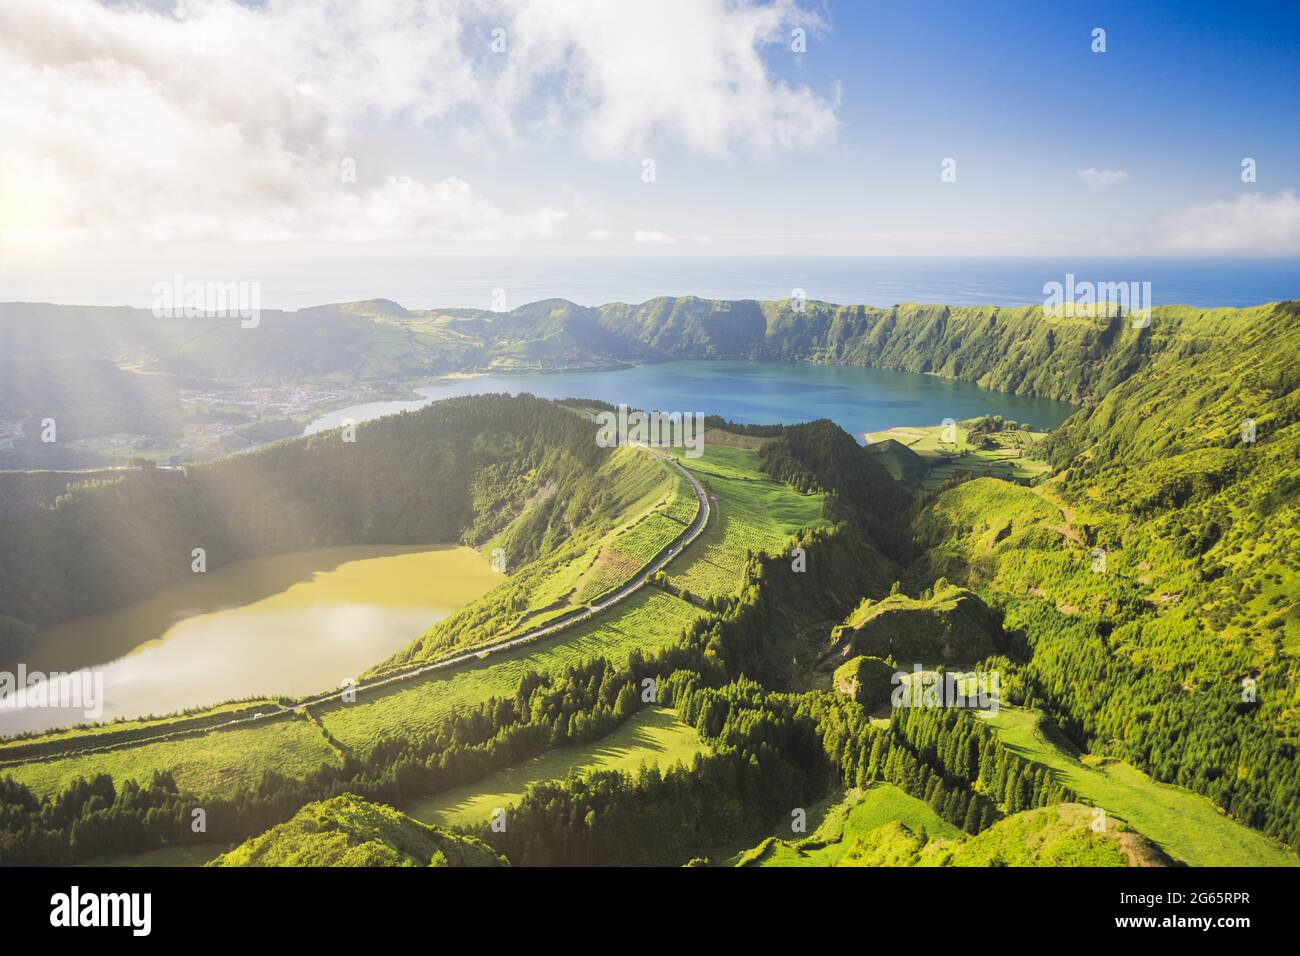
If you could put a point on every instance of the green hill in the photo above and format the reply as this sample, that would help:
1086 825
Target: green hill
1154 576
349 831
868 680
949 625
847 818
883 826
519 474
1059 835
901 462
1020 350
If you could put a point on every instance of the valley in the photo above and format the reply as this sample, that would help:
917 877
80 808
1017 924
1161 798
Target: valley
658 656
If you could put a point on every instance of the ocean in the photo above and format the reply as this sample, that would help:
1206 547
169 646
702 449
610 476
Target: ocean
473 281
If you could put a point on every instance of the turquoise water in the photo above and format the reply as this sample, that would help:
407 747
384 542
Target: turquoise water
857 399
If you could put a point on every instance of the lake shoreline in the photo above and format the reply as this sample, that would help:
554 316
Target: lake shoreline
866 398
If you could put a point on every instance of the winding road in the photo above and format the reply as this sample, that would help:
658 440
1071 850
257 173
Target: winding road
577 616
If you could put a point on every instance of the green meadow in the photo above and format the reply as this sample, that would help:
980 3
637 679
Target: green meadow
1185 825
648 620
217 763
752 514
841 820
167 856
1009 454
653 736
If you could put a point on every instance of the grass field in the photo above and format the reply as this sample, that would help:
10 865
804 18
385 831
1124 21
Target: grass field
650 619
216 763
1185 825
628 553
841 820
753 514
1010 457
652 736
147 726
168 856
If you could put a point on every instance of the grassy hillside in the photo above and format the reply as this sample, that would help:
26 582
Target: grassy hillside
1154 576
653 736
842 820
517 474
349 831
1009 349
214 764
647 622
1018 350
753 514
925 457
946 625
886 827
588 547
1186 826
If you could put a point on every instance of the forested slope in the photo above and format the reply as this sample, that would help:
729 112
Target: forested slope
1020 350
1155 577
461 470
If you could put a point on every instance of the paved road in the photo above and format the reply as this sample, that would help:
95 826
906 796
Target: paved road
569 620
484 650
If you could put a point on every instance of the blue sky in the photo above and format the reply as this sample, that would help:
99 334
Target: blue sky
1014 93
145 135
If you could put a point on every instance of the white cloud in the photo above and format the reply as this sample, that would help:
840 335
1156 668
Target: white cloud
652 238
691 69
603 235
402 208
1102 178
218 121
1250 223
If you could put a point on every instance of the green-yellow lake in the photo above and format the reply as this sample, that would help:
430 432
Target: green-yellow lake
289 624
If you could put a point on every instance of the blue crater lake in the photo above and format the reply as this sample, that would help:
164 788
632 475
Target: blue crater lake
859 400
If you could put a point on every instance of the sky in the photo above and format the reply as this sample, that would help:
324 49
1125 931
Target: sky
142 135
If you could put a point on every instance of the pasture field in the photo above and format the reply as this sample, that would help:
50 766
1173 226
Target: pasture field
216 763
1010 456
649 620
683 506
629 552
754 514
1185 825
143 726
841 820
168 856
653 736
634 547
